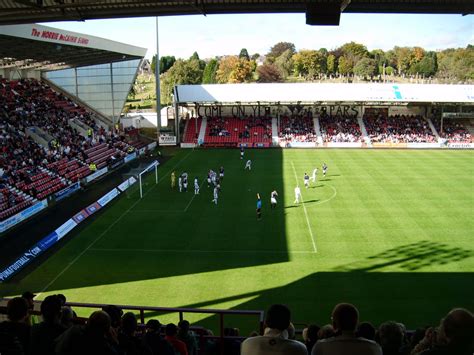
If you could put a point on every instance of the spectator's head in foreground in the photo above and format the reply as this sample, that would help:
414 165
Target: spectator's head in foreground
345 317
278 317
17 309
458 329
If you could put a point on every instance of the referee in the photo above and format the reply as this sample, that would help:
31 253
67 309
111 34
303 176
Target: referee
259 207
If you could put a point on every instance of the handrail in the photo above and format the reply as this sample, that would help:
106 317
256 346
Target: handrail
181 310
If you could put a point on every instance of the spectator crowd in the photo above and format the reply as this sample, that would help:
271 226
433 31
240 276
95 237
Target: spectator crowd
297 128
339 129
111 331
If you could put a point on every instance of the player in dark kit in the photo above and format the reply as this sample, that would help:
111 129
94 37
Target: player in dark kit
259 207
325 169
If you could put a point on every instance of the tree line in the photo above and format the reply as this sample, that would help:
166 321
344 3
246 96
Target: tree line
284 64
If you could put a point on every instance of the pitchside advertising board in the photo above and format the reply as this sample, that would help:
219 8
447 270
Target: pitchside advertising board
62 230
167 140
23 215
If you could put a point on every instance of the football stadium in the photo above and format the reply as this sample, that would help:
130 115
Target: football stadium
260 218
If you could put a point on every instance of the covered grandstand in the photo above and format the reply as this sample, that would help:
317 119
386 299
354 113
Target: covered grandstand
328 115
61 95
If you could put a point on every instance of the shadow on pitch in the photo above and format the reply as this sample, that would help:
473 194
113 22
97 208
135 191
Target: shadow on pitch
148 246
414 298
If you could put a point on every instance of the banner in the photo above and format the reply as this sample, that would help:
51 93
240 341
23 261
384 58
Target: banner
21 216
460 145
67 191
127 183
167 140
97 174
344 144
65 228
108 197
130 157
151 146
93 208
389 145
300 145
188 145
79 217
423 145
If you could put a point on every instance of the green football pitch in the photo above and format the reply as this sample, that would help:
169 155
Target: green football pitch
390 231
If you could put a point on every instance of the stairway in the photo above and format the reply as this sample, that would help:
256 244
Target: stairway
317 130
202 131
365 135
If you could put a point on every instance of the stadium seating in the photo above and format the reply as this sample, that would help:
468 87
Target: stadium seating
398 129
298 128
453 131
232 131
43 170
340 129
190 130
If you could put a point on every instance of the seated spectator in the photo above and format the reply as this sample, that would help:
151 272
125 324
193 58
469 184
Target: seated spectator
67 317
29 297
275 339
17 327
44 334
92 339
391 338
128 341
427 342
185 335
365 330
344 320
154 341
326 331
171 337
456 334
310 336
231 344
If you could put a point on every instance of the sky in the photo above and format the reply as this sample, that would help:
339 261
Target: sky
216 35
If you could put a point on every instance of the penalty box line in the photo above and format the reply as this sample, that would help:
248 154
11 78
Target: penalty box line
315 249
108 228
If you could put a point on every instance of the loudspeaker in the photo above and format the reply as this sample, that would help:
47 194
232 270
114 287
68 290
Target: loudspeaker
324 14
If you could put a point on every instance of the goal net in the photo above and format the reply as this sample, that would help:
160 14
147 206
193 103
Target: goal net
140 180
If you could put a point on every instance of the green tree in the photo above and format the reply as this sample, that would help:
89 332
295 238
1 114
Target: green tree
309 63
244 54
344 66
195 56
255 56
331 64
166 62
182 72
366 67
278 49
209 74
284 63
269 73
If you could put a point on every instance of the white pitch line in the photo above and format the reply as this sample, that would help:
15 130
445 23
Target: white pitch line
181 251
107 229
315 250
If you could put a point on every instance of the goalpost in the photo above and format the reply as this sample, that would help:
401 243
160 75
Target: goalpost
150 168
138 179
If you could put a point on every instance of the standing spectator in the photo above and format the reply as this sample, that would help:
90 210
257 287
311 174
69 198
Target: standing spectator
185 335
456 333
178 345
44 333
17 324
275 339
344 320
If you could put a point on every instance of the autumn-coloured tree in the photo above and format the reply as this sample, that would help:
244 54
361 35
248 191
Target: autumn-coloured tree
269 73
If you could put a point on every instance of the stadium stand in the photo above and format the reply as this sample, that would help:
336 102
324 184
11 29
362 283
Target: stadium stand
297 128
190 130
339 129
398 129
453 131
34 168
231 131
344 335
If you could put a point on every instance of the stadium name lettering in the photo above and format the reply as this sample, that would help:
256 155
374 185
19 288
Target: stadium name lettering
58 36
